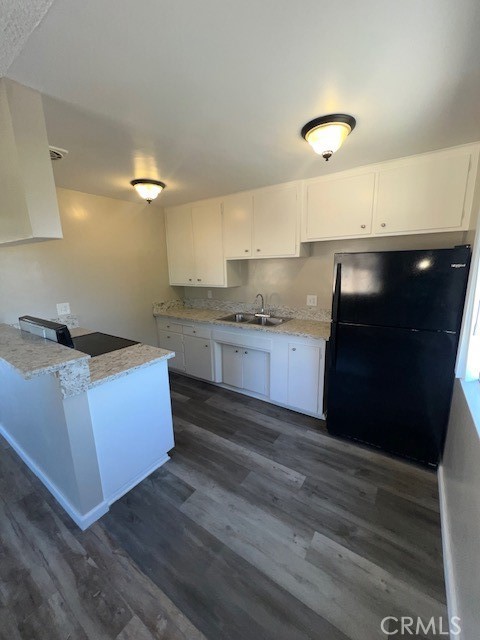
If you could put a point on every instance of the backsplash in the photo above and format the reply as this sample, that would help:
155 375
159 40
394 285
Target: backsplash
228 306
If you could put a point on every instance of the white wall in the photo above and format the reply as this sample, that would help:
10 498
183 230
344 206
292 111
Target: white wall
459 480
287 281
111 265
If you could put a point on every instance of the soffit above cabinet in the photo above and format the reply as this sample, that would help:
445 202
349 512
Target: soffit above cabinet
28 203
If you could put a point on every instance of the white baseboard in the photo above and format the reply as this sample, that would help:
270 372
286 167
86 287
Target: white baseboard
132 483
450 584
82 520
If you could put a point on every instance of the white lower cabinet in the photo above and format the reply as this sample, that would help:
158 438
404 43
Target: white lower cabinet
172 342
286 370
198 357
232 366
245 368
303 388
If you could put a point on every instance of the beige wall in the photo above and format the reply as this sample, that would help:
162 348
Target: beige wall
111 265
460 490
287 281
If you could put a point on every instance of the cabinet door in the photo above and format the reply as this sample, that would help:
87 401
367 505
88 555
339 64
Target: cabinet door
275 222
255 371
232 366
339 207
181 262
208 244
238 225
422 195
198 357
303 377
173 342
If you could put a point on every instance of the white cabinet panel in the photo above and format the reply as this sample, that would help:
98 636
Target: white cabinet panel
181 260
232 366
422 194
255 371
304 363
208 244
238 225
198 357
245 369
339 206
275 222
172 342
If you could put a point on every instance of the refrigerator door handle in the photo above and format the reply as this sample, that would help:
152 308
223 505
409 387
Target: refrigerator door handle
336 291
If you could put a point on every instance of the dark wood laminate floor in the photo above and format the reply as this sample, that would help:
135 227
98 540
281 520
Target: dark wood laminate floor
261 526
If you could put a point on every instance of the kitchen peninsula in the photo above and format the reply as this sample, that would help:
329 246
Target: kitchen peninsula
89 428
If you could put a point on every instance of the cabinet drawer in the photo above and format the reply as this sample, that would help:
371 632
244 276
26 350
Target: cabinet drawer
199 331
164 324
173 342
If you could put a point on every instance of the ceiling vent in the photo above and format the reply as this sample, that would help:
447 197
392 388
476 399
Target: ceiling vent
57 154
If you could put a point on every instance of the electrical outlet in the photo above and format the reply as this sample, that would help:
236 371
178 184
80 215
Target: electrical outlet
63 308
209 294
311 301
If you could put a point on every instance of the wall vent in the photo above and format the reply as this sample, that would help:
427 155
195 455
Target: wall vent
57 154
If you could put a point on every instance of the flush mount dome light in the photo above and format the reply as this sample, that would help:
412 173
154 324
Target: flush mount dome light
148 189
327 133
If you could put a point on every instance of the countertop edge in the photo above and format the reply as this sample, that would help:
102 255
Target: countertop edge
279 330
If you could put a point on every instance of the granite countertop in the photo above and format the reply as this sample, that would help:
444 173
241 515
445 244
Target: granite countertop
31 356
294 327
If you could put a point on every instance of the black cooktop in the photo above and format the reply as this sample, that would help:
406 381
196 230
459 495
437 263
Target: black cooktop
96 344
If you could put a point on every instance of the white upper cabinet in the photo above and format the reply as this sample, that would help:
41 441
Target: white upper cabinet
238 225
275 221
28 202
264 223
420 194
339 206
208 244
195 247
181 259
423 194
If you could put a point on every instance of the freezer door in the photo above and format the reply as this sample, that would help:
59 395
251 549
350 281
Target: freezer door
414 289
391 388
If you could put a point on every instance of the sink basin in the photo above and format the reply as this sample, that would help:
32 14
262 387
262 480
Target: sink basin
250 318
238 317
269 322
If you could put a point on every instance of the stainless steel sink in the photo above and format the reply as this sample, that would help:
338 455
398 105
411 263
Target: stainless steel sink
238 317
250 318
269 322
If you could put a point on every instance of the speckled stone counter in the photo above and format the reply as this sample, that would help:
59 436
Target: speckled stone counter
33 356
295 327
87 441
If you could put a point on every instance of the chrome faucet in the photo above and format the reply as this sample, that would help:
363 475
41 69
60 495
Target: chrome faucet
262 310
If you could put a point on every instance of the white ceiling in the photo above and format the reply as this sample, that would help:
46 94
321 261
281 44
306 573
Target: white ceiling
18 18
210 96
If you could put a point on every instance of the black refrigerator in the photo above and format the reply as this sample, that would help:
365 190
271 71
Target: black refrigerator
396 320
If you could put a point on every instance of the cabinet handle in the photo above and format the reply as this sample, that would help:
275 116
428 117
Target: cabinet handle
246 250
246 352
169 337
236 350
199 279
363 226
294 348
383 224
194 331
258 249
206 346
190 279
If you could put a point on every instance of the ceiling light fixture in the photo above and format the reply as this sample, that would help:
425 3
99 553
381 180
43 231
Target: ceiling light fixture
327 133
148 189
